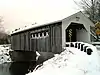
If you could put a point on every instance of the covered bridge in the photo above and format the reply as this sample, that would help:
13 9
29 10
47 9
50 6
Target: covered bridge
51 37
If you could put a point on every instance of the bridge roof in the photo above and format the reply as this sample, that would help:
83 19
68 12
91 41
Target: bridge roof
44 24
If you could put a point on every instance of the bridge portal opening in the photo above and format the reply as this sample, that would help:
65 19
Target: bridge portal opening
75 32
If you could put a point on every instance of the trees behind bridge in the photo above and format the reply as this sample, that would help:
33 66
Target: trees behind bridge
4 37
92 10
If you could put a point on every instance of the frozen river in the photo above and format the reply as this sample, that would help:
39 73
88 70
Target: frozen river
7 67
15 68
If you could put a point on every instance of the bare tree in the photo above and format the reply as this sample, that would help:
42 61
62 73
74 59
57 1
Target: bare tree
2 29
91 8
4 37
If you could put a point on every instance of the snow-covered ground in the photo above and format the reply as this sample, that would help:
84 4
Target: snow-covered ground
71 61
4 53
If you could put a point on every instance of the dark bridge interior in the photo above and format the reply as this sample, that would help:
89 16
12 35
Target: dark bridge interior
71 31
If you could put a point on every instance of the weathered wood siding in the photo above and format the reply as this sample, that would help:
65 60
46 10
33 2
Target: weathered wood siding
43 39
21 41
47 39
39 39
26 41
15 41
33 44
56 38
12 42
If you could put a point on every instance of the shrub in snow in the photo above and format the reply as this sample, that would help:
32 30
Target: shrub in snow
4 53
89 51
80 45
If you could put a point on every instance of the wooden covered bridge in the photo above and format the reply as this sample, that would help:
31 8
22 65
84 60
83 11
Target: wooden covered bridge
52 37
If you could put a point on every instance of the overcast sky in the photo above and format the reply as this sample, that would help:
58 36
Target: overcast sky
18 13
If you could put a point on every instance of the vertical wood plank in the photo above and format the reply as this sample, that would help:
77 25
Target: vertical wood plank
22 41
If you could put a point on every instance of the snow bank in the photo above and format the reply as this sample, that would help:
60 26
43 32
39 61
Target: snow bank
72 61
4 53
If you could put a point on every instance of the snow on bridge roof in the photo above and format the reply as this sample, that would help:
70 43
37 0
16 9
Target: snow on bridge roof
33 26
44 24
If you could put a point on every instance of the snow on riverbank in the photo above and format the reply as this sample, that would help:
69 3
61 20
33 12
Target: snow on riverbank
4 53
71 61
